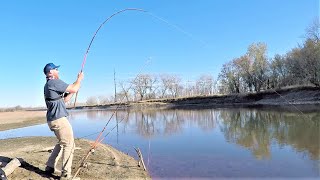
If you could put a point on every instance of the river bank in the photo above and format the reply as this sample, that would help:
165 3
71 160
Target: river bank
289 98
105 163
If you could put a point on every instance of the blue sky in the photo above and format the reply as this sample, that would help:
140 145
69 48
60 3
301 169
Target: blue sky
209 34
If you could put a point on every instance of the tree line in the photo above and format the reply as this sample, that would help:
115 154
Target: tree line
148 86
253 71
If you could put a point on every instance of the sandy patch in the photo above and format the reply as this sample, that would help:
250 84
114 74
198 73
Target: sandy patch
105 163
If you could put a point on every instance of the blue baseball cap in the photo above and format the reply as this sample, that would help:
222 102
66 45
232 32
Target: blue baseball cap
49 67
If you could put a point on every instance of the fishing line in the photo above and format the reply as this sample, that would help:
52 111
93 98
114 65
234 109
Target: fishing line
126 147
178 28
205 44
117 107
291 104
120 103
114 127
98 140
88 135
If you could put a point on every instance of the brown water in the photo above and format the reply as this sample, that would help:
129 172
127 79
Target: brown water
208 143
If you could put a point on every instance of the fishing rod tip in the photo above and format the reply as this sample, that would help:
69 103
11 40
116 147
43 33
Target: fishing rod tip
137 9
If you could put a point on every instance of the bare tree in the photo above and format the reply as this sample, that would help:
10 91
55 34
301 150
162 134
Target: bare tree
257 52
295 65
311 52
244 67
191 89
170 86
205 85
229 78
152 88
165 81
92 101
103 100
278 74
142 85
121 97
125 90
313 31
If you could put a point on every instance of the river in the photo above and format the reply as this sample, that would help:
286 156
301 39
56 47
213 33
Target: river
206 143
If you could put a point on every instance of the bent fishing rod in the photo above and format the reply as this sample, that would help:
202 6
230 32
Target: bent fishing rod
87 51
99 138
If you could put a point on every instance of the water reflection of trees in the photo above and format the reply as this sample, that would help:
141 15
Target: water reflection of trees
169 122
257 130
149 123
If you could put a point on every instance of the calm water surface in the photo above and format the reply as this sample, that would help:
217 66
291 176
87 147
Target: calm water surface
207 143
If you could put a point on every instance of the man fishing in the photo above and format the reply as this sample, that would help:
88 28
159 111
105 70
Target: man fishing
56 94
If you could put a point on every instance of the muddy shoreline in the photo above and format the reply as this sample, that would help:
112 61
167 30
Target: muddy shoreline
290 98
